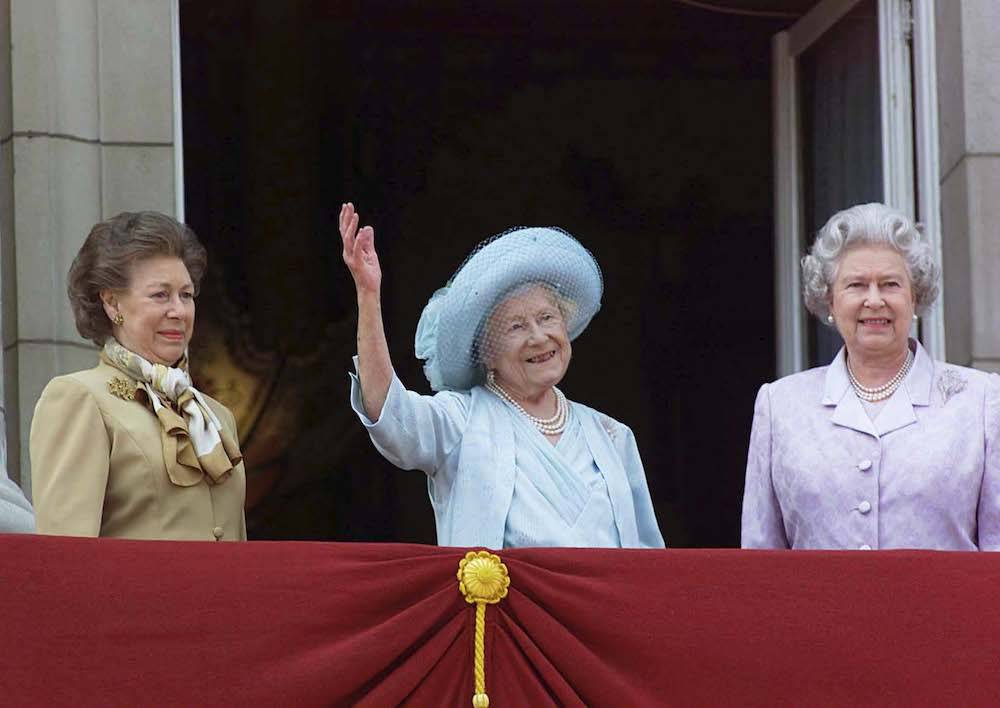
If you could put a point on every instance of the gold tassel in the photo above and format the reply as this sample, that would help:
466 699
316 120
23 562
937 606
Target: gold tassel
483 580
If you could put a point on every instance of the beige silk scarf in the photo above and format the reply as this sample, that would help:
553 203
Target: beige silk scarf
195 445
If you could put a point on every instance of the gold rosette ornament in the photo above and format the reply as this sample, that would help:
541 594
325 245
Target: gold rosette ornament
122 388
483 580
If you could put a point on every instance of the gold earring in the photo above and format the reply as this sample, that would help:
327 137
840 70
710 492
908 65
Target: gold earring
118 319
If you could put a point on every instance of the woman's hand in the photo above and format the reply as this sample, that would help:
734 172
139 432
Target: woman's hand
359 252
374 364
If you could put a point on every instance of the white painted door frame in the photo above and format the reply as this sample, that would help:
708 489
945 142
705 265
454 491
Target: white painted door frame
178 124
897 24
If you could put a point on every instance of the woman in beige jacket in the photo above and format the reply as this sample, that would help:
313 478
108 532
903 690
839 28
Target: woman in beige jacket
131 448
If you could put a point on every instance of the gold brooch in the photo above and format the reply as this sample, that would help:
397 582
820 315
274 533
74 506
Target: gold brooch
123 388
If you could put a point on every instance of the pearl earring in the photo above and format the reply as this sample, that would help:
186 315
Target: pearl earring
829 319
915 318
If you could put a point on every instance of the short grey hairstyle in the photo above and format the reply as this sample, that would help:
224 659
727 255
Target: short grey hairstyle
869 225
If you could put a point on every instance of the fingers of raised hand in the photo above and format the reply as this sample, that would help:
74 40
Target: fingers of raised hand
366 240
348 221
350 240
345 210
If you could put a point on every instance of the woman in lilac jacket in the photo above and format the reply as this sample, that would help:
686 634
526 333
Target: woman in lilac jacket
885 447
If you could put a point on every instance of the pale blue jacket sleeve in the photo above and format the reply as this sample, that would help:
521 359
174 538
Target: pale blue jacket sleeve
645 515
763 525
415 432
989 495
16 514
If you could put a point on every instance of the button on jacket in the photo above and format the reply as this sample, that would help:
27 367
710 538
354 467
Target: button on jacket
925 473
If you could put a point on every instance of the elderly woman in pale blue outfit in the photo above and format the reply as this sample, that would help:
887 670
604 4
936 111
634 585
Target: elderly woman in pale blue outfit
885 447
509 460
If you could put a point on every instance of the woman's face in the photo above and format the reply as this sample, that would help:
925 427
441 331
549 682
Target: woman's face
872 301
158 308
528 346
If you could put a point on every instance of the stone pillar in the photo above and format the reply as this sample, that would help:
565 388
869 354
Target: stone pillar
968 54
8 281
90 134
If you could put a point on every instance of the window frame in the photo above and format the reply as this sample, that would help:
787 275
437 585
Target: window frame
908 118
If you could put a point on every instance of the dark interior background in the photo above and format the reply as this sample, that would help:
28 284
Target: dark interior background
643 128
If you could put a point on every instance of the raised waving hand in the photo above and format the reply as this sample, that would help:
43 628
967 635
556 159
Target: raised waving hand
374 364
359 252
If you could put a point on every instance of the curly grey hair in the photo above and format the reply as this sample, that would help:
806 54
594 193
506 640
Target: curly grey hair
868 224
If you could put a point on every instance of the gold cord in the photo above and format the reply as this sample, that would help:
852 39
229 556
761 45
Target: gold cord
480 699
483 580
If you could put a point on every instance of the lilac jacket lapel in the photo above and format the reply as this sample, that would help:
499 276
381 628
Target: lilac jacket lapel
848 411
899 409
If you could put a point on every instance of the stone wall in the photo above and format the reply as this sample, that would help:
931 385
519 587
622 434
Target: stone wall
968 52
87 129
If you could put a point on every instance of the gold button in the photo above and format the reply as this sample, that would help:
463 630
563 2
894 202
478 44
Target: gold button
218 532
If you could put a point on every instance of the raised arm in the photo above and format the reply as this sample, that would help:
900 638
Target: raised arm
374 364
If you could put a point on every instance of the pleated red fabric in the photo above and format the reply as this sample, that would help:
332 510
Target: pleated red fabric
95 622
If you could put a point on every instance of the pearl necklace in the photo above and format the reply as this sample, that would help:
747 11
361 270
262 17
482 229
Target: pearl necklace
882 392
555 425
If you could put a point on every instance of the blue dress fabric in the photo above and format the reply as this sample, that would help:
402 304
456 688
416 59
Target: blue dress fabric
560 496
493 484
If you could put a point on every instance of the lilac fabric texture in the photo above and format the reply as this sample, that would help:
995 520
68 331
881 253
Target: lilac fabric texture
925 473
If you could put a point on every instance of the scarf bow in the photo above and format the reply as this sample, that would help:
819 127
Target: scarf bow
195 445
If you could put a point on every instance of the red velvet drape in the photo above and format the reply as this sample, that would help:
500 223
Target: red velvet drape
103 622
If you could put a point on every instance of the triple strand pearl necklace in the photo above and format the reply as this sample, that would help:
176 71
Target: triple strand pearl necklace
879 393
555 425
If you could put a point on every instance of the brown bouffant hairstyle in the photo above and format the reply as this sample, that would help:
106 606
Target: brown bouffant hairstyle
106 258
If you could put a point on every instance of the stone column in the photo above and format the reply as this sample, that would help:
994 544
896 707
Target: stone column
968 51
8 282
89 133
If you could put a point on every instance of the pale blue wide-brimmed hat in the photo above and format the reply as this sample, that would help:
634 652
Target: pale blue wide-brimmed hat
453 321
